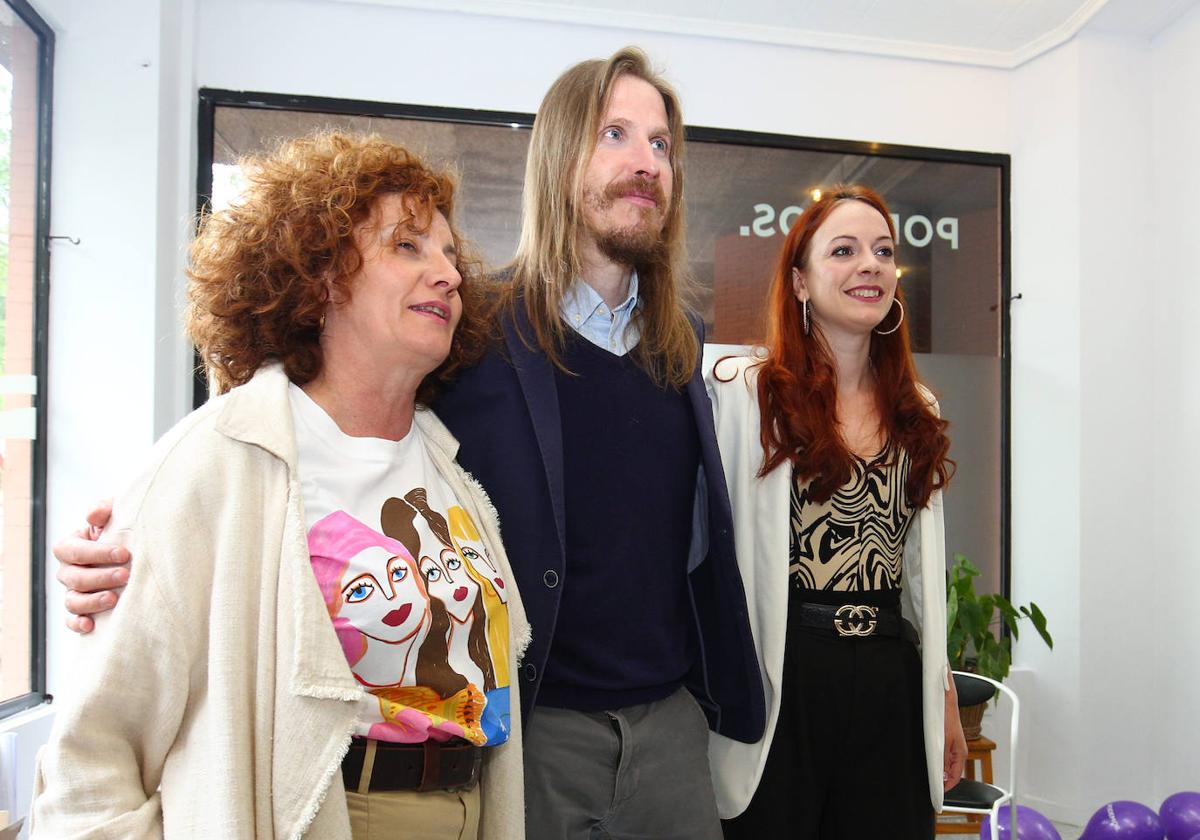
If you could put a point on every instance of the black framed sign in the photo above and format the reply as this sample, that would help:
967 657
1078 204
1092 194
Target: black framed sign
743 190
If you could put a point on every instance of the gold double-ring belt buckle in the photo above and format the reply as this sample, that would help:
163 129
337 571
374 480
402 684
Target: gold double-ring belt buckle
855 620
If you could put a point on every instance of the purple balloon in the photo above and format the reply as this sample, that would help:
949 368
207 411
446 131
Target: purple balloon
1123 820
1030 825
1180 815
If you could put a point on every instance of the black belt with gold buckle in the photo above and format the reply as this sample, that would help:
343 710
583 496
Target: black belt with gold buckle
852 620
432 765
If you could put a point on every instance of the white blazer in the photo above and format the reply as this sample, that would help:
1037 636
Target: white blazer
761 537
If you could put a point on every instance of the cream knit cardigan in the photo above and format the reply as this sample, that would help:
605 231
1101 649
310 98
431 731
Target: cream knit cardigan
761 534
215 700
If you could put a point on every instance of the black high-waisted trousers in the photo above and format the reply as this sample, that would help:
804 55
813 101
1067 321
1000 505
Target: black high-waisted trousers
847 761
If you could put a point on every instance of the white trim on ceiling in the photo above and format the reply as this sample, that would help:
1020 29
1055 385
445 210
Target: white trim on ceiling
758 33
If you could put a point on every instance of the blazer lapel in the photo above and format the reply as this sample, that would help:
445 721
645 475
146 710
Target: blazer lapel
535 372
710 456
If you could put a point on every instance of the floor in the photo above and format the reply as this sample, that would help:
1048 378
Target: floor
1068 832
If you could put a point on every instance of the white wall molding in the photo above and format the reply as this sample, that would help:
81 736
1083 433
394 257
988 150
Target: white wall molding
785 36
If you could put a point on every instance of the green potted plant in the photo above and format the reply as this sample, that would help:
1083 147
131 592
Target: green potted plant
974 639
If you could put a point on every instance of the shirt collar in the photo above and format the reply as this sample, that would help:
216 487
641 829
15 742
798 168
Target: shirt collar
581 301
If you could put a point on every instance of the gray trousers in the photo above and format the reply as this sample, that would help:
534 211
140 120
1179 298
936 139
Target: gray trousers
638 773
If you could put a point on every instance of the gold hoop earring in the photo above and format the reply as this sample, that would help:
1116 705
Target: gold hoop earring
898 323
804 314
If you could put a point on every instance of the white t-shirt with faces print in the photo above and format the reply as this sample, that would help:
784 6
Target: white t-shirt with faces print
417 603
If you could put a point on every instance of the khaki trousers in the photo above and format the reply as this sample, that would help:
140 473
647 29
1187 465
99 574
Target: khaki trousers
411 815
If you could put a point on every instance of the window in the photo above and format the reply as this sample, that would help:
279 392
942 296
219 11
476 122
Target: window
744 190
26 50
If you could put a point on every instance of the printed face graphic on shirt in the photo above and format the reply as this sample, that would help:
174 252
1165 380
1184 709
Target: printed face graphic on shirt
383 597
470 548
447 580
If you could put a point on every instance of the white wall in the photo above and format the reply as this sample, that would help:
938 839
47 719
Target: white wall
1171 560
375 52
1045 417
1079 123
119 167
1116 482
1104 387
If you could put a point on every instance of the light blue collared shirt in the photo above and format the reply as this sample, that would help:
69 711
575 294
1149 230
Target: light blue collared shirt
612 329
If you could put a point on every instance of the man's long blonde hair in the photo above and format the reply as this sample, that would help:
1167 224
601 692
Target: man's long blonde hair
548 258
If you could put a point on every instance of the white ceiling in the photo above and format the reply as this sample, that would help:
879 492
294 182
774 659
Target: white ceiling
993 33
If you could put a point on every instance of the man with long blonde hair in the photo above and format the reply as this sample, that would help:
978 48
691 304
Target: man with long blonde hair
590 427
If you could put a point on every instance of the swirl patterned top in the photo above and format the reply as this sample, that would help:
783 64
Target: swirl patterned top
855 541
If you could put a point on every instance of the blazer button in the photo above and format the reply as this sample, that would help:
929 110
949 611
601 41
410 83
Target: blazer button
530 671
550 578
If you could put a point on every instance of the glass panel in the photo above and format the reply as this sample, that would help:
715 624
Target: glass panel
18 215
741 200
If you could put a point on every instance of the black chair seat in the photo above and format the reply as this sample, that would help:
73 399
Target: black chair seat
971 691
971 794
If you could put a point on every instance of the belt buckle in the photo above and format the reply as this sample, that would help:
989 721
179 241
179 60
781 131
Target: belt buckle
855 620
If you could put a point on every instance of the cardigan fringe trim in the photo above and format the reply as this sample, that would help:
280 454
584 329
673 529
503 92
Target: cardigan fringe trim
310 813
328 692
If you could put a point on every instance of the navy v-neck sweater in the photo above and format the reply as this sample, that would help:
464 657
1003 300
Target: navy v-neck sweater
631 453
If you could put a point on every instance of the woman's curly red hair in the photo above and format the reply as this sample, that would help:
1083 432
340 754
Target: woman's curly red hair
797 383
262 271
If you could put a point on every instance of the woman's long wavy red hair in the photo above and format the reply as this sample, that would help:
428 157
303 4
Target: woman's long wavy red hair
797 382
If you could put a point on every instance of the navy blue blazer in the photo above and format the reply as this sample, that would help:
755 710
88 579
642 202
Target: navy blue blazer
504 413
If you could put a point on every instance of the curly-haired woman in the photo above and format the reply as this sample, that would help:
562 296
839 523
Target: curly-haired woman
279 664
836 457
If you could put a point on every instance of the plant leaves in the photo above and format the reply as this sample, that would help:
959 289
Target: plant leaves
951 609
970 616
987 663
967 565
974 623
987 611
1039 623
1009 615
956 645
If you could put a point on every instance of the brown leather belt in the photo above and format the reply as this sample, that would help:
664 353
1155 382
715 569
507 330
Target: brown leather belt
452 765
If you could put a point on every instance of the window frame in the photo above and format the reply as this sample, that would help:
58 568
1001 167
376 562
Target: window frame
212 98
41 319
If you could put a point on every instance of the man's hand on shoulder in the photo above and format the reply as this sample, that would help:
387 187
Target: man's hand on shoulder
90 570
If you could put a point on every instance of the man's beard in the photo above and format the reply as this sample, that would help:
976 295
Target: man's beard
640 245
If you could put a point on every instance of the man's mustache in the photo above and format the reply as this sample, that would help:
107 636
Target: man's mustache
637 185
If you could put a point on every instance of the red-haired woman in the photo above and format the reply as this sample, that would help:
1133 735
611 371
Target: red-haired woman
836 457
